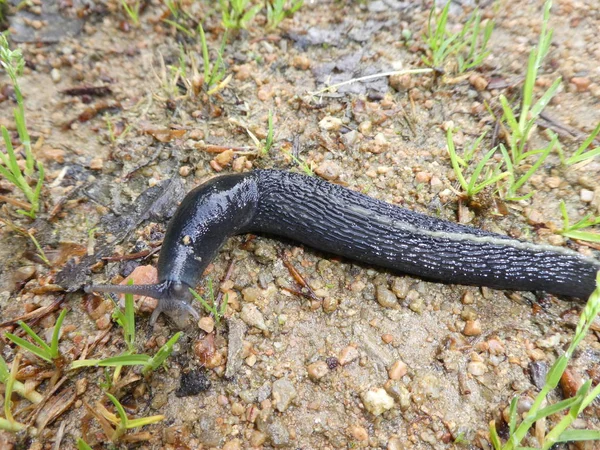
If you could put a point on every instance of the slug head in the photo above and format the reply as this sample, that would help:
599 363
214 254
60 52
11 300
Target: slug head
173 297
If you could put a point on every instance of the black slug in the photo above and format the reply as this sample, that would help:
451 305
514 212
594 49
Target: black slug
337 220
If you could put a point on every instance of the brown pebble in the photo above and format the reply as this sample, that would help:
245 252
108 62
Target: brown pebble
257 438
329 170
478 82
359 433
225 158
237 409
570 382
96 164
553 182
301 62
472 328
317 370
235 444
397 370
330 304
184 171
468 298
581 83
423 177
347 355
387 338
206 324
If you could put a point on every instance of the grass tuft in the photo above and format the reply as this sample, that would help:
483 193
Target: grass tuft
211 305
277 11
12 62
237 13
468 46
47 352
568 409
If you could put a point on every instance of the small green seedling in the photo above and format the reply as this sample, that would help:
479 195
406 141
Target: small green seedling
213 72
213 308
468 46
491 176
12 62
263 147
568 409
577 230
47 352
147 362
8 423
306 167
121 422
519 130
133 11
18 387
277 11
126 320
237 13
82 445
581 154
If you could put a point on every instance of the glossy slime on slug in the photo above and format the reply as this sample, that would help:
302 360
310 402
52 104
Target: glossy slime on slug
337 220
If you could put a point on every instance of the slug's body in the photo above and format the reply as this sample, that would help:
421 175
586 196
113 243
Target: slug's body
334 219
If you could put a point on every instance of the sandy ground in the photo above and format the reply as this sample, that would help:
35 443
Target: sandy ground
305 364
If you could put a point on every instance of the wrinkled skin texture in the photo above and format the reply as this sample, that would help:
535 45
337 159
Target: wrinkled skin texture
337 220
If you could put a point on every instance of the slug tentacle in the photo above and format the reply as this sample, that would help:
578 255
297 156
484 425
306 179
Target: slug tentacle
337 220
173 297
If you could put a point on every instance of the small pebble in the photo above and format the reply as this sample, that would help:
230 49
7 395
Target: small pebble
317 370
225 158
329 170
365 127
385 297
586 195
257 438
359 433
387 338
96 164
472 328
581 83
330 123
55 75
232 445
397 370
553 182
206 324
377 401
347 355
283 392
395 443
476 368
301 62
184 171
253 317
468 298
478 82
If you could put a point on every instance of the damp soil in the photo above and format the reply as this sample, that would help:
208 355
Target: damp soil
110 119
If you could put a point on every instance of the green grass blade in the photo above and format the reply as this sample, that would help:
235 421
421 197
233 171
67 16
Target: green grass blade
115 361
136 423
119 408
33 335
579 435
545 99
161 356
509 115
56 334
82 445
583 235
45 355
